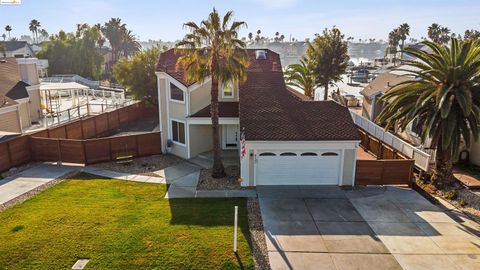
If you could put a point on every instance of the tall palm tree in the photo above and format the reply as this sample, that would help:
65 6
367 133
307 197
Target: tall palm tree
114 31
130 44
438 33
34 26
444 97
393 40
302 76
8 28
403 33
213 50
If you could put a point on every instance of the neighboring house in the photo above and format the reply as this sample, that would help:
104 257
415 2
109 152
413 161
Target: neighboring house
20 101
17 49
289 139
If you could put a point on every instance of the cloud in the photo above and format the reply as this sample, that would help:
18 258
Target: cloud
277 4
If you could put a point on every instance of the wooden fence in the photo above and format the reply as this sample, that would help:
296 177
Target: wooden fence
73 141
95 150
99 125
384 172
377 148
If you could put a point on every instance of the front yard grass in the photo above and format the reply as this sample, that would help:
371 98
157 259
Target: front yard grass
121 225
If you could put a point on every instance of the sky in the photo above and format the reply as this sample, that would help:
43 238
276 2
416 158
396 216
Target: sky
300 19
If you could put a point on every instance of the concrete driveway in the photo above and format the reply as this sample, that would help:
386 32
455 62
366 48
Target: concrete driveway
318 227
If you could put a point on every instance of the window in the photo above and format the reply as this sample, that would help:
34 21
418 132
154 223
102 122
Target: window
176 93
178 132
288 154
329 154
227 89
267 154
309 154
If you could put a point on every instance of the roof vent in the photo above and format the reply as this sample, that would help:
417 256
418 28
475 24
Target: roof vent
260 54
274 66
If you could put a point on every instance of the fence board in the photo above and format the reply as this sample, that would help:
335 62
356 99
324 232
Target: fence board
45 149
101 123
113 122
20 152
149 144
88 127
74 130
58 132
384 172
97 150
72 151
4 157
123 146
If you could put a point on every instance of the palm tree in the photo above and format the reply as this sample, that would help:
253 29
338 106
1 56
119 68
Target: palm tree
403 33
33 27
393 40
130 44
44 34
250 36
4 36
277 36
438 33
444 97
8 28
302 76
213 50
113 30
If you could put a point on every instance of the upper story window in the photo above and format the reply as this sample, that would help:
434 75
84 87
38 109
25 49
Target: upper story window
176 93
227 89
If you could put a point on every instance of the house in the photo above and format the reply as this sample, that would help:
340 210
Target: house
17 49
20 101
289 139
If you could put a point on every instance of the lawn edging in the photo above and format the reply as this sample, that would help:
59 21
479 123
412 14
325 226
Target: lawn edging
257 235
37 190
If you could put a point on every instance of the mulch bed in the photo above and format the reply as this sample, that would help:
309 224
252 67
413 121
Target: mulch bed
259 245
229 182
460 197
142 165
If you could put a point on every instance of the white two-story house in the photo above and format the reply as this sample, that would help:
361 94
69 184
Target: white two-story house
289 139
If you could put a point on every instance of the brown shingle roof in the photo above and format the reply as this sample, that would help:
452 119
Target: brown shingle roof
11 85
225 109
268 110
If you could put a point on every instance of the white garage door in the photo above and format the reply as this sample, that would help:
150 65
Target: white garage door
298 168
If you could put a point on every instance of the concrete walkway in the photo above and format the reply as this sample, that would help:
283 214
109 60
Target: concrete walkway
123 176
385 228
31 179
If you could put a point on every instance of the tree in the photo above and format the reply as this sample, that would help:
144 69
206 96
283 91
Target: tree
258 37
302 76
130 45
44 34
438 33
329 58
3 50
8 28
137 74
4 36
81 48
393 41
403 32
250 36
277 36
213 50
282 37
472 34
34 26
444 98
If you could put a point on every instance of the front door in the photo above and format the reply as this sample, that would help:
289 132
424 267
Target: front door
231 136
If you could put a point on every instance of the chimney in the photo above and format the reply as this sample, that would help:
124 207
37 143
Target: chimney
274 66
388 84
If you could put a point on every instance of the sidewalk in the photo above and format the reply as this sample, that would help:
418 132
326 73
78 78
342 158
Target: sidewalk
31 180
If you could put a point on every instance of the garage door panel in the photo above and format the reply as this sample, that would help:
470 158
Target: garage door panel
298 170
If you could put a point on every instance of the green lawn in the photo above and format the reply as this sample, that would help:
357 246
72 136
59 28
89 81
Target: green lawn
121 225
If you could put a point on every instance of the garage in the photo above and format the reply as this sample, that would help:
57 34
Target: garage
298 167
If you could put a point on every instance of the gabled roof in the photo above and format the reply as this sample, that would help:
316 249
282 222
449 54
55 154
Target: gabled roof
225 109
14 45
383 83
11 85
269 111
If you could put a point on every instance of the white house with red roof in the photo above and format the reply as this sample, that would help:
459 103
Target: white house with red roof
288 139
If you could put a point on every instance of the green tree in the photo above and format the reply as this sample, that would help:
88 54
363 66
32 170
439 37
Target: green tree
137 74
393 41
4 36
75 53
329 58
472 34
438 33
302 76
403 33
444 98
213 50
44 34
34 26
250 36
8 28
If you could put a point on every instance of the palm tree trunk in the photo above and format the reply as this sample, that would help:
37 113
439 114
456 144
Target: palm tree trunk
443 173
325 93
218 169
401 52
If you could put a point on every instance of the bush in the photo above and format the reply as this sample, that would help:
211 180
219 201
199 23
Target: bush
462 203
451 195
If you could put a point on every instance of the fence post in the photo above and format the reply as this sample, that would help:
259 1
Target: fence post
59 162
9 152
